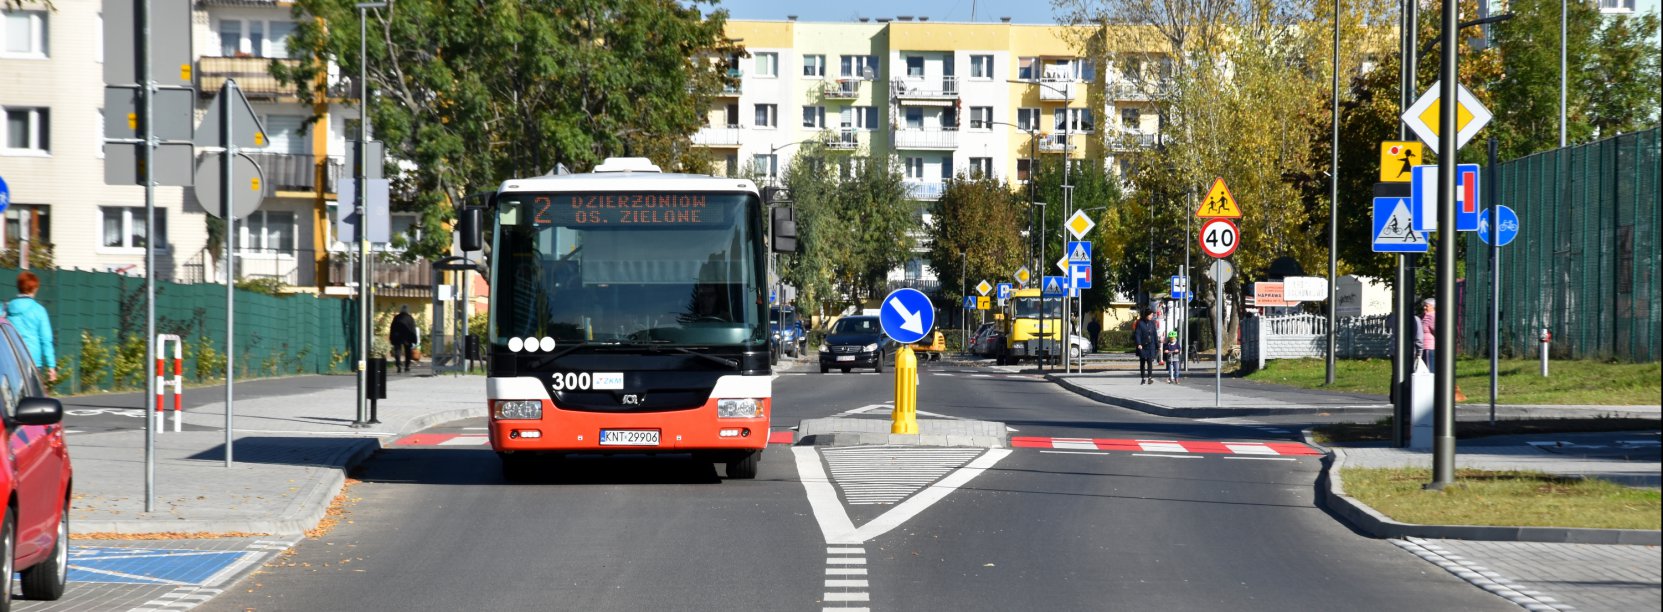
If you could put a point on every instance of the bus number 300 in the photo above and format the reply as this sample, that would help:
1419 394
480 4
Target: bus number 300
571 380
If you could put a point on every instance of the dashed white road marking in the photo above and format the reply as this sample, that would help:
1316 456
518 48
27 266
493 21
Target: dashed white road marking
1167 456
1157 447
1058 452
1263 458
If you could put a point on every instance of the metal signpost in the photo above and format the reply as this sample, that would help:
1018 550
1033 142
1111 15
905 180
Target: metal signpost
1078 225
140 36
1220 273
229 125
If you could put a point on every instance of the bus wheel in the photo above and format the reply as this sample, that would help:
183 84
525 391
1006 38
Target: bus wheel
516 467
744 468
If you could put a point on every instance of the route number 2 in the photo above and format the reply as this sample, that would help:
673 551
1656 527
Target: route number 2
1219 238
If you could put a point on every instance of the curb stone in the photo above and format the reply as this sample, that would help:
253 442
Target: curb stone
306 510
1331 492
1482 577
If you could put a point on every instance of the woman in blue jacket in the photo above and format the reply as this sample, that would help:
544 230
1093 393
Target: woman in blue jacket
33 325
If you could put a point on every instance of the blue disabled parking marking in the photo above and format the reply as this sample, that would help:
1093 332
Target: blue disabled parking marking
156 566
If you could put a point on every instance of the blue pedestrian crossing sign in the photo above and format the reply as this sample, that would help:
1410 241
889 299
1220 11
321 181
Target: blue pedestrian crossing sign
5 195
1053 286
1394 231
906 315
1507 226
1003 291
970 302
1079 251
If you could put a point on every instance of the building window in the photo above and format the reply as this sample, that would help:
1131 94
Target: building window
767 64
1023 167
1130 118
124 227
1027 119
915 118
31 217
1072 119
24 35
767 115
730 165
268 232
731 115
981 66
860 66
981 117
1025 68
814 66
862 117
1616 6
915 66
27 130
254 38
814 117
981 167
915 167
765 164
946 167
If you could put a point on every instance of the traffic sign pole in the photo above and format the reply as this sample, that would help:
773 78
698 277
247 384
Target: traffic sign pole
1443 422
147 175
1495 282
227 93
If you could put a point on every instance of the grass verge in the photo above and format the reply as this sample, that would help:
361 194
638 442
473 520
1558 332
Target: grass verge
1381 430
1523 499
1570 382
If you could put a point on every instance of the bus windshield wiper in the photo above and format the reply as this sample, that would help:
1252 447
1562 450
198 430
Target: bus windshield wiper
658 346
555 356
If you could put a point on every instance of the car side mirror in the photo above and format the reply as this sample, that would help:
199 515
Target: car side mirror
39 411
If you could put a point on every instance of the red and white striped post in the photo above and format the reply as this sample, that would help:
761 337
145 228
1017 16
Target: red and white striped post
178 382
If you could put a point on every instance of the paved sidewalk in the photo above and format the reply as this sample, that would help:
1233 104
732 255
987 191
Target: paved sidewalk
1518 453
1550 576
289 458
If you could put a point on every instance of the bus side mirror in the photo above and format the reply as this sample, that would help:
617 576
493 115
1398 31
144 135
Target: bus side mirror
470 220
785 230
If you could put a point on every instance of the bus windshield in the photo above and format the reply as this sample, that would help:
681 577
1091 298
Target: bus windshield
673 269
1028 308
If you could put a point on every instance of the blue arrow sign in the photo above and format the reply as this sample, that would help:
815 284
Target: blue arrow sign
1053 286
1393 227
906 315
5 195
1423 190
1079 251
1507 226
1003 291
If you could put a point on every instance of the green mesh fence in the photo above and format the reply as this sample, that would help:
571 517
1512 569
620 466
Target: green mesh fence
1586 262
275 336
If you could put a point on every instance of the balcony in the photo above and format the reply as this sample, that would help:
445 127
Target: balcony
392 278
1133 141
926 92
841 89
843 140
927 191
253 75
934 139
717 136
291 172
1055 143
1057 88
732 85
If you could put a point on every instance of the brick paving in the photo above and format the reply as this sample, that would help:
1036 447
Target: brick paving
1587 577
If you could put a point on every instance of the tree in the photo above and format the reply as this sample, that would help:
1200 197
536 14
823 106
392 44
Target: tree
854 222
473 93
1097 192
975 233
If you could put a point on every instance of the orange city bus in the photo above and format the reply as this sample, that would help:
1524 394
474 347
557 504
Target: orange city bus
628 315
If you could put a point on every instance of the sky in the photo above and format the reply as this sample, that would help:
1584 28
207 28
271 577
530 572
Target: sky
1020 11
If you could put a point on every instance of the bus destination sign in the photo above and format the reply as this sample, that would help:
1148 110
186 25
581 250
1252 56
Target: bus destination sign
650 209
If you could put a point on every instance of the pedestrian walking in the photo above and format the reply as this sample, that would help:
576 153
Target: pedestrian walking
1095 331
404 336
33 324
1172 352
1147 335
1428 338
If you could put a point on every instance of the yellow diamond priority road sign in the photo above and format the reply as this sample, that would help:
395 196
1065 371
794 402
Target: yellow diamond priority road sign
1023 276
1470 116
982 287
1079 224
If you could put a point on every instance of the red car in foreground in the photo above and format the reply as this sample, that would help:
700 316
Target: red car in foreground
34 477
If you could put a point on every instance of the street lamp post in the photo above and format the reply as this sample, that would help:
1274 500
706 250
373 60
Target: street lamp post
365 319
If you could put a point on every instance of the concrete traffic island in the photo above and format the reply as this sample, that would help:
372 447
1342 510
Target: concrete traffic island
931 432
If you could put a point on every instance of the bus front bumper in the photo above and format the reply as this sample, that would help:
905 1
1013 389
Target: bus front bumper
678 431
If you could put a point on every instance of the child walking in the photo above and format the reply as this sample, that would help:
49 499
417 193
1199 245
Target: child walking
1173 353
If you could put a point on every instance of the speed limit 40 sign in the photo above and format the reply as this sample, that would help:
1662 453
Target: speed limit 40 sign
1219 237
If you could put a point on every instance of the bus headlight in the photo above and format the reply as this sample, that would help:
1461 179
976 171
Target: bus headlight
519 409
737 408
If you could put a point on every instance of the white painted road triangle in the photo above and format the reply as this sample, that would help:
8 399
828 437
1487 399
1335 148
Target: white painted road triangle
833 518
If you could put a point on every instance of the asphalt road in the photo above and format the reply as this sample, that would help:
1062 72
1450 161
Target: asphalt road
434 527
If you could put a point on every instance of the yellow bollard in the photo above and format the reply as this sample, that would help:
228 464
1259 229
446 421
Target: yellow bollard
905 416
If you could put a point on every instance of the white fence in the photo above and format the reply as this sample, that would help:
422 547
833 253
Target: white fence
1304 335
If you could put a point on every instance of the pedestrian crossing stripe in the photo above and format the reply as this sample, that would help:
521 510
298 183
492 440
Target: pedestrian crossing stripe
1168 446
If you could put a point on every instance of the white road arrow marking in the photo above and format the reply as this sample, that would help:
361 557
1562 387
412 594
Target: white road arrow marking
910 321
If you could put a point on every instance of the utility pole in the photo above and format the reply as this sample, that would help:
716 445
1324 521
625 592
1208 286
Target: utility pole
147 86
1403 283
366 320
1333 201
1443 422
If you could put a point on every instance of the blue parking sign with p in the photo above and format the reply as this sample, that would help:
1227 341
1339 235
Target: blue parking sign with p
1003 291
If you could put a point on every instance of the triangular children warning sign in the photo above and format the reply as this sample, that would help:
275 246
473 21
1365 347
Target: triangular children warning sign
1218 203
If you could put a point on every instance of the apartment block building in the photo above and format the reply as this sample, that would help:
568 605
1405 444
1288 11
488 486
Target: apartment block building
51 90
941 98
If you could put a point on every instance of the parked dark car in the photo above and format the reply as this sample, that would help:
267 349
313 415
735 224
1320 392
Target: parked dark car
988 341
34 475
787 332
856 342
